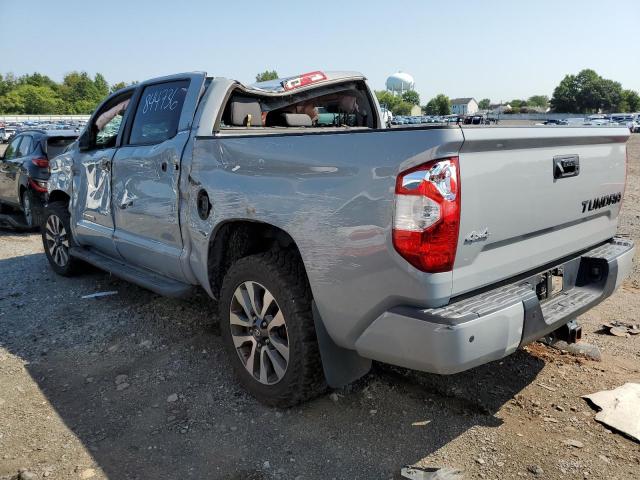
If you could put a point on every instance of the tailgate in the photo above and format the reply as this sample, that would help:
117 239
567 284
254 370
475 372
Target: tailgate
517 214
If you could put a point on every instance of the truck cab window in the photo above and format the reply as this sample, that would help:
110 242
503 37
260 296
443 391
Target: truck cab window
331 107
158 113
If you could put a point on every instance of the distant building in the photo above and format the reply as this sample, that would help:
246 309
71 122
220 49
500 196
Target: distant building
464 106
416 111
499 108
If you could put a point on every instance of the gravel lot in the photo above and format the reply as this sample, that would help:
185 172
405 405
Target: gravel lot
136 386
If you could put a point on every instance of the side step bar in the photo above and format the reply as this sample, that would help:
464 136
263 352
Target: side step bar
159 284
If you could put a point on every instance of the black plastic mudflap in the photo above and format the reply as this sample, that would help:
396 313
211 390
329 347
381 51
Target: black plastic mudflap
559 295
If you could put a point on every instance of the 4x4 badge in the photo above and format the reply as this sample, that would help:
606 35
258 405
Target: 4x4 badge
477 236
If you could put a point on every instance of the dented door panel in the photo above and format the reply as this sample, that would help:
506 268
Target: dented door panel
145 201
91 201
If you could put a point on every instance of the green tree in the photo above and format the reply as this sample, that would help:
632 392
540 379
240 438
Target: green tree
588 92
117 86
540 101
565 96
267 75
412 97
38 94
438 105
31 99
102 86
37 80
484 104
390 101
80 93
516 103
631 100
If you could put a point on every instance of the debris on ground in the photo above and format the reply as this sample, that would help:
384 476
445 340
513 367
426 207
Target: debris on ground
100 294
588 350
619 408
573 443
621 329
430 473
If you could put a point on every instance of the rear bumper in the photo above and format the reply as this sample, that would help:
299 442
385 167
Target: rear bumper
490 325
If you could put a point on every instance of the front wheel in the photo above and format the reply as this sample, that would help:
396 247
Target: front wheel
57 239
268 330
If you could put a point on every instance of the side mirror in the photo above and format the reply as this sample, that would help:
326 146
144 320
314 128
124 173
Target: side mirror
84 141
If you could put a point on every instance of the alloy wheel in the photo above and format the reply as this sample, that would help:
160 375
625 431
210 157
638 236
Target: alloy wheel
26 208
259 332
57 240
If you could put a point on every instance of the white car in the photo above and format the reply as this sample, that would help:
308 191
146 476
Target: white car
6 134
387 116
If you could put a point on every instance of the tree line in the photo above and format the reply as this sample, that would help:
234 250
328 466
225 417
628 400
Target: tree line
35 94
585 92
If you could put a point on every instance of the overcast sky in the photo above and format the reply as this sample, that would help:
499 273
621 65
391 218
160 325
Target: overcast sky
496 49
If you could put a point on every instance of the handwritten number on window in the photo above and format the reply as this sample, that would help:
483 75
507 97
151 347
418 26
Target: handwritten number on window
160 100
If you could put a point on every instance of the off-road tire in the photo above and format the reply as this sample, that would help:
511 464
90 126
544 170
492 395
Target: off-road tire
283 275
61 210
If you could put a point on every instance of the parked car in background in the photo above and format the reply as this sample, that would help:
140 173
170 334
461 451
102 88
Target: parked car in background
387 117
24 170
553 121
6 134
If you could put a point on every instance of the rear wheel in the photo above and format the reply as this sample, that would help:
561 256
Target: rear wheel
57 239
27 208
268 330
31 211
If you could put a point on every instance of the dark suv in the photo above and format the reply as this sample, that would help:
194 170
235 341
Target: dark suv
24 170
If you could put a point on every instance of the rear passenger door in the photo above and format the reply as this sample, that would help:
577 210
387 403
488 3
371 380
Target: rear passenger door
146 173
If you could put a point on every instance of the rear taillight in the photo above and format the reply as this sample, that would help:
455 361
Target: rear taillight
427 215
38 185
41 162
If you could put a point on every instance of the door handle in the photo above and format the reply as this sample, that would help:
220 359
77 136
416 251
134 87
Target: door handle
105 164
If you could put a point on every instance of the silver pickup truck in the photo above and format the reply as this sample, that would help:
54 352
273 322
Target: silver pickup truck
330 241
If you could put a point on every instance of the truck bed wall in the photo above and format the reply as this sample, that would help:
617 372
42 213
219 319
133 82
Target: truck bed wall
333 194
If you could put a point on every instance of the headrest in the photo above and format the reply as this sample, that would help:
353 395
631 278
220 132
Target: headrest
297 120
241 108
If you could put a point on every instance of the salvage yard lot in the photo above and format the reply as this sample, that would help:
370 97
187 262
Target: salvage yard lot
136 386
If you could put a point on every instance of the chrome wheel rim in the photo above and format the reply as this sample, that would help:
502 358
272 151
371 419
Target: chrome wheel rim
57 240
259 333
26 208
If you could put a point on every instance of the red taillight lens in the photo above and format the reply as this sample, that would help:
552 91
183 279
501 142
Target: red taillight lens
41 162
426 218
38 185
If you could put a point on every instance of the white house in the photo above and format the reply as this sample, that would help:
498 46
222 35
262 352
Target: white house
464 106
499 108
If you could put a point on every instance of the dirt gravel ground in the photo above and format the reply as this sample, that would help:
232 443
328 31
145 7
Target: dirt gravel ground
135 386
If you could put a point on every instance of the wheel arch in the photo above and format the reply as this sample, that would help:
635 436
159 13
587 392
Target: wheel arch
235 239
58 196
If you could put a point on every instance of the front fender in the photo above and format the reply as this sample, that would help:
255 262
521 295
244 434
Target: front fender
61 174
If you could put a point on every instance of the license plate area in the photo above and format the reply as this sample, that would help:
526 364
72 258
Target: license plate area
550 284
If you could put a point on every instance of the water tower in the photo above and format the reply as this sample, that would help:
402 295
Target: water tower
400 82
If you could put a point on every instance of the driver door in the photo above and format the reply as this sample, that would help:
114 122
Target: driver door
93 214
